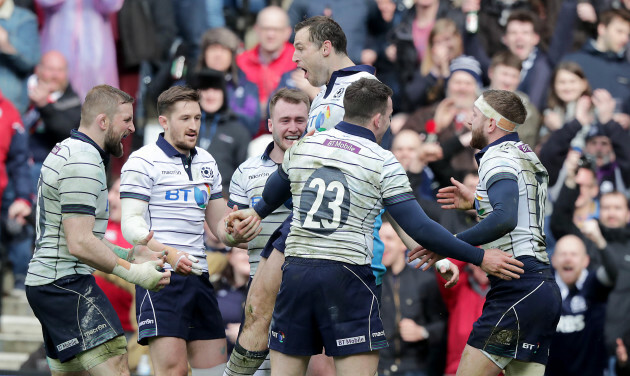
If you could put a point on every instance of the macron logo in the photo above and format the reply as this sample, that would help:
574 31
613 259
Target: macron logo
342 145
350 341
146 322
378 334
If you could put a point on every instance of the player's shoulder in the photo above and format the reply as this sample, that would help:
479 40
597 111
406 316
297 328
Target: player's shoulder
78 150
147 152
204 156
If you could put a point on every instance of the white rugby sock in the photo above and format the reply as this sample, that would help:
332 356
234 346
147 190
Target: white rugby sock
214 371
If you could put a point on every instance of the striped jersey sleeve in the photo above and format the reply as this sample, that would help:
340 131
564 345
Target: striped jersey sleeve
238 194
80 180
136 178
395 185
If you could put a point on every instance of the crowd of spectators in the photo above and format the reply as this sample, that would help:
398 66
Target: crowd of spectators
569 61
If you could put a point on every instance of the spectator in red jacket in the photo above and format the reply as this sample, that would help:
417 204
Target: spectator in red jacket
271 57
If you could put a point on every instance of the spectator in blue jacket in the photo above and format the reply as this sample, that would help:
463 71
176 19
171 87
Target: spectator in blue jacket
19 51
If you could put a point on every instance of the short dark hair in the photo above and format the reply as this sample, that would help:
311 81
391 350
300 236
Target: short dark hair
507 104
175 94
365 98
523 15
606 17
507 58
102 99
293 96
321 29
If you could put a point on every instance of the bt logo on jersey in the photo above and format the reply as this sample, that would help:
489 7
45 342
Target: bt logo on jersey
200 195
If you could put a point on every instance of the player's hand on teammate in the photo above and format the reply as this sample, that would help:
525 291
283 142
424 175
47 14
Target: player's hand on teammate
500 264
242 225
448 271
427 258
182 262
148 275
456 196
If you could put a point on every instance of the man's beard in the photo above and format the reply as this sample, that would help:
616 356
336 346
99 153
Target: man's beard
113 145
479 140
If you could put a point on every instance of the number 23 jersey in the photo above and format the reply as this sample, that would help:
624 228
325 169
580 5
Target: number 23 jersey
340 180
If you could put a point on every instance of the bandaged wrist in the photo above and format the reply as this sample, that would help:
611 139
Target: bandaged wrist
443 262
123 253
144 275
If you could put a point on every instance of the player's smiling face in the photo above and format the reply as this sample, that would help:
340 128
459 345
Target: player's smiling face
308 57
288 122
181 126
120 126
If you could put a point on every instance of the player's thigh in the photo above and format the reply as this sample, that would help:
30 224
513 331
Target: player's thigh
264 288
169 355
207 353
321 365
476 363
518 368
287 365
362 364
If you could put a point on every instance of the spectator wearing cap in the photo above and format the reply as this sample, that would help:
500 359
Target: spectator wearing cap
221 133
272 56
219 48
445 122
595 134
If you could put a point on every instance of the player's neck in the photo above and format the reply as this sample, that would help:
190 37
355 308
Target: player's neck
276 154
94 134
339 62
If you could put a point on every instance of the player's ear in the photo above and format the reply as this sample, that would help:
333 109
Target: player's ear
102 121
326 48
269 125
163 122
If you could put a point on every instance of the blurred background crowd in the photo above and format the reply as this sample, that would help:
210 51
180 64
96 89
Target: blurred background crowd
569 60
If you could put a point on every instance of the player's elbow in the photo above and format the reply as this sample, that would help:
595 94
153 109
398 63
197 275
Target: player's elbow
507 226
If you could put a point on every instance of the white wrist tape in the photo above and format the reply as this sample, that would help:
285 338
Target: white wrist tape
133 225
144 275
443 262
489 112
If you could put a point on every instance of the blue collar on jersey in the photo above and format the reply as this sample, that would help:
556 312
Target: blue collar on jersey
508 137
169 150
265 156
83 137
355 130
347 72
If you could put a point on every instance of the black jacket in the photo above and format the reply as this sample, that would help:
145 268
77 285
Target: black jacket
415 295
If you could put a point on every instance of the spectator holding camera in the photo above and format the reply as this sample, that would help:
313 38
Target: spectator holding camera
603 141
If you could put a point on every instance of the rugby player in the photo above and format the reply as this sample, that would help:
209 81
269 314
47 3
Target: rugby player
170 187
520 316
81 329
339 181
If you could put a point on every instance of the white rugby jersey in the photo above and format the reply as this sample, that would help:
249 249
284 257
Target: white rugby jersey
177 192
72 182
246 187
340 180
327 108
508 159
